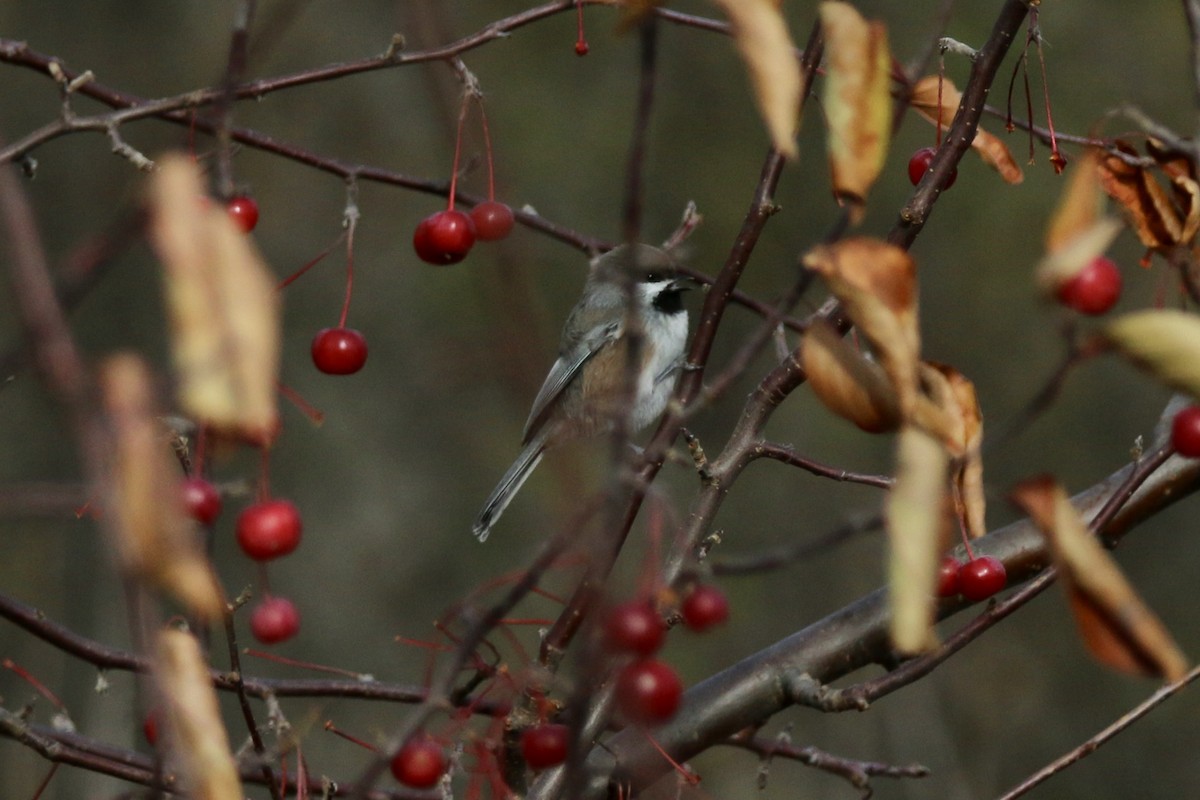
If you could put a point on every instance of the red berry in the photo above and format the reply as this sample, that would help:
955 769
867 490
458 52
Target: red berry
948 577
981 577
545 745
274 620
201 500
419 764
444 238
1185 432
648 691
1094 289
269 529
918 165
581 48
339 351
704 607
150 727
634 627
492 221
244 212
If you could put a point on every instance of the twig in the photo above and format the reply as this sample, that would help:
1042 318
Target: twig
1091 745
858 773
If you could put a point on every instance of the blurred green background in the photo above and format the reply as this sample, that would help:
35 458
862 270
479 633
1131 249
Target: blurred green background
389 484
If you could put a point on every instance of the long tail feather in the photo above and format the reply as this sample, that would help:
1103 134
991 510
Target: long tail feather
500 497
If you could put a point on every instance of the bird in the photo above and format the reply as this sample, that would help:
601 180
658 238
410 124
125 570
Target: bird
585 391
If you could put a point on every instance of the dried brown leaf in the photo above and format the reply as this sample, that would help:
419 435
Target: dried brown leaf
991 149
221 303
846 382
1146 204
858 105
1116 626
196 733
917 525
877 283
155 540
761 34
1164 342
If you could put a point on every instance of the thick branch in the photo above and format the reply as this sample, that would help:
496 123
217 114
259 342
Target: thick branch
848 640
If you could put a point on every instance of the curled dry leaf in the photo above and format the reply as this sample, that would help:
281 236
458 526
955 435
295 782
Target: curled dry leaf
991 149
766 46
917 526
857 103
221 303
1164 342
155 540
1160 221
877 283
846 382
1180 170
1079 230
1116 626
197 735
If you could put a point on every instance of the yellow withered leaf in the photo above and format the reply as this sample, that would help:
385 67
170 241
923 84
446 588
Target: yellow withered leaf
1079 230
991 149
961 430
766 46
858 105
155 540
846 382
917 526
1116 626
877 283
196 734
221 303
1164 342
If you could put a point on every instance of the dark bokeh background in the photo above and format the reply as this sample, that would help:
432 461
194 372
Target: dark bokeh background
389 484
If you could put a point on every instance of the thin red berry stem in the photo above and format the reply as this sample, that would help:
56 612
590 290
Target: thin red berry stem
581 39
487 148
967 544
41 688
320 257
45 781
691 778
307 409
1056 157
351 224
329 726
462 118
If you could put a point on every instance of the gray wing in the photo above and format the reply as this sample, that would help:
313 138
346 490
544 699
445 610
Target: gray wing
564 371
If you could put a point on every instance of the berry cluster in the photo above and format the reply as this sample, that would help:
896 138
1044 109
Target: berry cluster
976 580
648 689
445 237
268 530
265 531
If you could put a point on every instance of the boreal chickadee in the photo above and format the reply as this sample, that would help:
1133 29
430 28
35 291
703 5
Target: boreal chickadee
582 395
